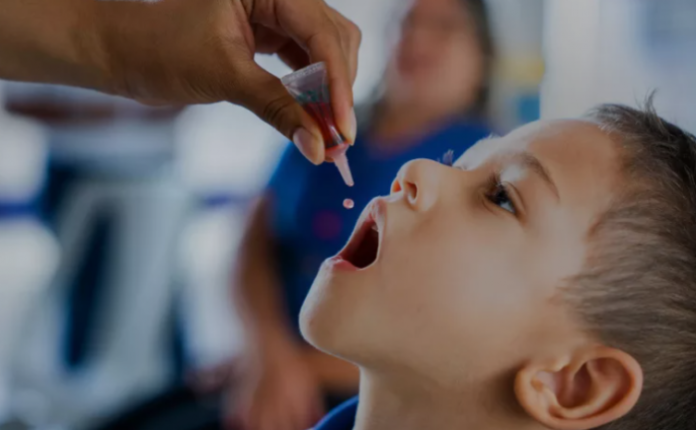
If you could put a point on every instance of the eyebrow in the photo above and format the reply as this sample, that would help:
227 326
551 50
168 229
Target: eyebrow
527 159
458 162
531 162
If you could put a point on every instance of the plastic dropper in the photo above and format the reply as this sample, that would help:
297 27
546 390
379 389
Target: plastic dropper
341 162
309 86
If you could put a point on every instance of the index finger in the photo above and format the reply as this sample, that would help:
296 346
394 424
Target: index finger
351 37
311 24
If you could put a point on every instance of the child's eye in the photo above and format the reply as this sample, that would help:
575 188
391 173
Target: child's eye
499 196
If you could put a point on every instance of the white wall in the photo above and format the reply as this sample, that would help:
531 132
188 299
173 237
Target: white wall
600 51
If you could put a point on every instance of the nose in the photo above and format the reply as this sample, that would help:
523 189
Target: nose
419 180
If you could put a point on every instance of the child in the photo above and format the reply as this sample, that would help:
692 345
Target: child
545 280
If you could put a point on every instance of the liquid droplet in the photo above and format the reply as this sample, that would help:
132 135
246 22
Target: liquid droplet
348 203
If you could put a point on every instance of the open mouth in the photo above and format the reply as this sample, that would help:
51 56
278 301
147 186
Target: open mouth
363 247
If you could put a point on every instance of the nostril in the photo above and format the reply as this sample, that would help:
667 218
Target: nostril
396 186
409 188
411 192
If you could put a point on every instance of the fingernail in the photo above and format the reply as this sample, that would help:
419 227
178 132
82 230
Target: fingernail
352 127
305 142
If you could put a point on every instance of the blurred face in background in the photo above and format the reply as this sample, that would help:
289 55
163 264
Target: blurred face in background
438 63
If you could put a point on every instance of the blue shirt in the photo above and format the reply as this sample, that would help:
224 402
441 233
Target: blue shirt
308 221
341 418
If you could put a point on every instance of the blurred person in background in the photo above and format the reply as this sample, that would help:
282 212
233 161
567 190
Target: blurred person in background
433 99
101 336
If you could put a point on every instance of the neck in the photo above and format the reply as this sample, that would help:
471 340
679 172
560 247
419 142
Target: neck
392 403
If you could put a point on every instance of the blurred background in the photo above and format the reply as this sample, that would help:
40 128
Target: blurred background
128 234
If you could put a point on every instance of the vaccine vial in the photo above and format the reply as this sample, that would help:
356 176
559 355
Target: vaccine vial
310 87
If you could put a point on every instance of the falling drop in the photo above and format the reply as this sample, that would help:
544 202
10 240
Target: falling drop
348 204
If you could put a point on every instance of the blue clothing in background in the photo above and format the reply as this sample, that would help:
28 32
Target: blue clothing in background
341 418
309 223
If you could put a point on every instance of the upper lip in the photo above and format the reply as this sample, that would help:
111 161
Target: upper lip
372 218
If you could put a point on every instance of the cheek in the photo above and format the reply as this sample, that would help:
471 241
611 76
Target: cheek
461 66
457 274
454 298
559 251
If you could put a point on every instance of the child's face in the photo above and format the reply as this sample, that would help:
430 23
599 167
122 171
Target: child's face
465 283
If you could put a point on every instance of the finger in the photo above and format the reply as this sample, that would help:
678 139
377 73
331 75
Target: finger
351 37
233 423
316 409
302 416
265 95
208 380
268 41
293 55
278 410
257 419
319 413
339 28
354 41
236 421
270 418
280 422
296 399
310 409
295 414
282 417
241 407
236 414
311 24
340 86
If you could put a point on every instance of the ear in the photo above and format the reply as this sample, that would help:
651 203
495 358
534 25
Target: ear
584 390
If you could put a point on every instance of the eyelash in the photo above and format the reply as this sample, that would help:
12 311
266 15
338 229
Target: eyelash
499 195
495 187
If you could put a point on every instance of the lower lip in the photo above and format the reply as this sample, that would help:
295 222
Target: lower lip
338 263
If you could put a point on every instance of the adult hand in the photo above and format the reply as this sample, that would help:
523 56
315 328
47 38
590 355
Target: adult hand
200 51
275 390
185 52
268 388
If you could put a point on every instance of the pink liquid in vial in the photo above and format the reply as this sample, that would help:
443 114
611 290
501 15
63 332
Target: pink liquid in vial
323 115
336 146
310 88
348 204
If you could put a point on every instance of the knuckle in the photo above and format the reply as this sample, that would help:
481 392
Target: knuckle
274 111
349 30
354 32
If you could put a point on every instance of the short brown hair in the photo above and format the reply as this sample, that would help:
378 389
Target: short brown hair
637 291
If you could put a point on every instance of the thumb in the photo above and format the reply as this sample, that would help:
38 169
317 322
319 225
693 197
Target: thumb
265 95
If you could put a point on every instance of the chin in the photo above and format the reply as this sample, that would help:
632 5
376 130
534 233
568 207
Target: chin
336 316
316 322
334 313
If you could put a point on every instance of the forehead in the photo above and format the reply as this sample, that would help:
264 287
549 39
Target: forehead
582 160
